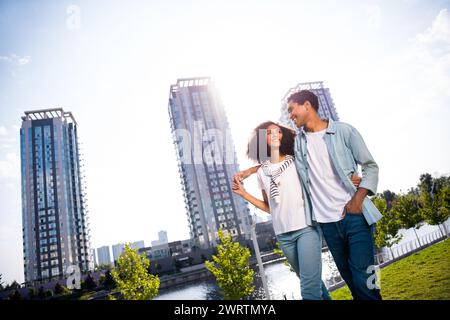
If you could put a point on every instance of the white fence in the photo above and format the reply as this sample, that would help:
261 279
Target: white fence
407 247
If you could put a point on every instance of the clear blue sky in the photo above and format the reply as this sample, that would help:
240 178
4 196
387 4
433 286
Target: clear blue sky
387 64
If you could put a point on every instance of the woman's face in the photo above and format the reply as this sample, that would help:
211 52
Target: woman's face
274 136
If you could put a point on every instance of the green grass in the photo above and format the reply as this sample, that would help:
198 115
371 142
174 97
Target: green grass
424 275
87 296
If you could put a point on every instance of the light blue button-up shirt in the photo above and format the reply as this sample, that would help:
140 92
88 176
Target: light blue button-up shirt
347 150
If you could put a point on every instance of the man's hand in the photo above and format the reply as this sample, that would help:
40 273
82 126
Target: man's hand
356 180
355 204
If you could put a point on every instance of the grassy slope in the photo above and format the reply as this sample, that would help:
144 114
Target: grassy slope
422 276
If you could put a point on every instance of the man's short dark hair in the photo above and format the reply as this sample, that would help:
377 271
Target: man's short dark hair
302 96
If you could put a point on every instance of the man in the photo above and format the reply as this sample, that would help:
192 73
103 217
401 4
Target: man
326 156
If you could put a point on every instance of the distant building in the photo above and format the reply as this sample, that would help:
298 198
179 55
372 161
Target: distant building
117 250
156 252
55 223
164 250
199 122
104 257
95 258
137 245
162 235
162 238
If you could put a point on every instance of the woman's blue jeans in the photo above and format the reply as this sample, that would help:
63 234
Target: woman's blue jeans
303 251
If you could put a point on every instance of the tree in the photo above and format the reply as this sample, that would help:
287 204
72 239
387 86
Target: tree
132 278
434 200
232 269
58 288
61 290
389 196
101 280
109 282
110 297
41 293
386 231
16 295
14 285
407 210
103 267
89 283
32 293
48 293
1 282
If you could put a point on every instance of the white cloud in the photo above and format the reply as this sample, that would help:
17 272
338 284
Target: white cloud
16 60
3 131
431 54
9 166
5 58
24 60
374 16
437 37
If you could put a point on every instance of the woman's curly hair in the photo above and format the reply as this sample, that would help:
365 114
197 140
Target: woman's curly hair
255 147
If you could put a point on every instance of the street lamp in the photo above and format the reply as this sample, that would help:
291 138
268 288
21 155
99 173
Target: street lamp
258 255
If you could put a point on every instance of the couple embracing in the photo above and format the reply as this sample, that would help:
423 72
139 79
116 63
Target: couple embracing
310 186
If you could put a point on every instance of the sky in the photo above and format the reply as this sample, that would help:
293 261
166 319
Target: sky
387 64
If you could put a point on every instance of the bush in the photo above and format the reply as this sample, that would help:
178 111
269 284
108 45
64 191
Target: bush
32 293
89 283
231 269
48 293
109 280
132 277
58 289
61 290
101 280
15 296
110 297
41 293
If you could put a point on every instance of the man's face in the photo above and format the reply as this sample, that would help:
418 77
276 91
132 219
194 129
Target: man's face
297 113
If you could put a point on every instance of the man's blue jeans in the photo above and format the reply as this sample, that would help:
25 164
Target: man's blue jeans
303 251
351 244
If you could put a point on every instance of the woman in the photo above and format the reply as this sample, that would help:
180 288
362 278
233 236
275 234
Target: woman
283 198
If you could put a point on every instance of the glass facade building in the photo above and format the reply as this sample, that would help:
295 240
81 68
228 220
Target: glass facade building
327 109
104 257
206 162
54 214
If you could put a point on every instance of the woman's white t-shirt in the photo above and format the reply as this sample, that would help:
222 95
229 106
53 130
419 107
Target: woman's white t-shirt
289 214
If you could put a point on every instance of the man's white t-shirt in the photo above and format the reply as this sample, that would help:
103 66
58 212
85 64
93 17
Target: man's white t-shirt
328 194
289 213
